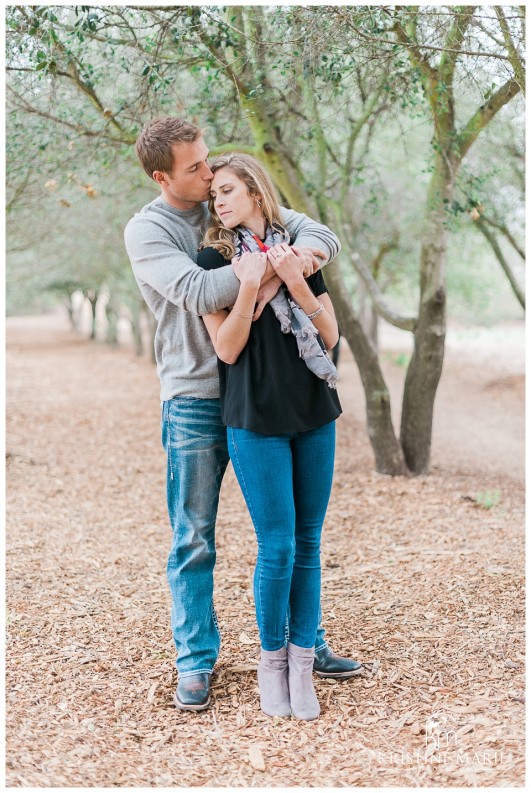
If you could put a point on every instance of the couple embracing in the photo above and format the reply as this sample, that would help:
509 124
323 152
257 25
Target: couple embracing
244 325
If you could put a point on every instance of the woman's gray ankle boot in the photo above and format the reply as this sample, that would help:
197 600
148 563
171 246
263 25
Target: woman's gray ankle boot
304 704
273 682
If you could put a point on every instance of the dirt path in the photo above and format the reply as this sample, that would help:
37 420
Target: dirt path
419 582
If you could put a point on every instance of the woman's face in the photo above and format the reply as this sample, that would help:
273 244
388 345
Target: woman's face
232 201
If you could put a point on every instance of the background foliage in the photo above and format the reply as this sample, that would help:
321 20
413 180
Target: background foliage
399 127
73 181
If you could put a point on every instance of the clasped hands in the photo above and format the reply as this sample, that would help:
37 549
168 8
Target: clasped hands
289 265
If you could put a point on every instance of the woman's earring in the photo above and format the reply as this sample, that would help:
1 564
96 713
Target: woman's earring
258 202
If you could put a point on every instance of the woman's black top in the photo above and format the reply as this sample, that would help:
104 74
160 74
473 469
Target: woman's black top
270 389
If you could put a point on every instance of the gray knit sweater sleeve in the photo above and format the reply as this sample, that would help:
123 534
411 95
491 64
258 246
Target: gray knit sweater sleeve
305 231
163 263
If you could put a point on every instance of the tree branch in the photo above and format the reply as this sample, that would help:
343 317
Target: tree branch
502 260
516 61
81 130
454 41
224 63
356 129
506 233
419 47
484 114
72 73
223 148
87 89
18 191
378 298
310 95
499 42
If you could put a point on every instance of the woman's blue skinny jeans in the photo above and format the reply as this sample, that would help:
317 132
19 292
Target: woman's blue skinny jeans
286 482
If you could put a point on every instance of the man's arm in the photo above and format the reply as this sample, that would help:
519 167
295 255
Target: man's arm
305 232
157 262
307 237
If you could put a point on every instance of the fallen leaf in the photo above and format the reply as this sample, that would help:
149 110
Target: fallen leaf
151 693
244 639
256 758
243 668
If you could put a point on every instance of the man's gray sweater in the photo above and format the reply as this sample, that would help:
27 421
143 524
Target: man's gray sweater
162 244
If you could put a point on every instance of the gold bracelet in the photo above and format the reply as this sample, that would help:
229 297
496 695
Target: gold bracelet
243 316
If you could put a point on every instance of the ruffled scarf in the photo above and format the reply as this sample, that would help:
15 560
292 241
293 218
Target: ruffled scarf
290 315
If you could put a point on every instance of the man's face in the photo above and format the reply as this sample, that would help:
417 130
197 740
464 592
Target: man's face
189 182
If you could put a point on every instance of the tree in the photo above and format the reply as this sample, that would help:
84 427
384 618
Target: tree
435 61
307 91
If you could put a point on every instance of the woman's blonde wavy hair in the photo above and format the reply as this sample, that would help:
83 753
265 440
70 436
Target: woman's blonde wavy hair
259 183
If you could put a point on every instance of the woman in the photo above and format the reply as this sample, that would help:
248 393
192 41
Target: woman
279 402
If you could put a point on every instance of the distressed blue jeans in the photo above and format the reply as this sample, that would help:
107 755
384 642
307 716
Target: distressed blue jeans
286 482
195 441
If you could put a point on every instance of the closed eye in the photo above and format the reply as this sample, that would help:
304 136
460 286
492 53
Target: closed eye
196 166
223 192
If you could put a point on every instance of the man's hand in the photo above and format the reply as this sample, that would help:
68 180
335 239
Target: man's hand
306 260
288 264
266 293
311 258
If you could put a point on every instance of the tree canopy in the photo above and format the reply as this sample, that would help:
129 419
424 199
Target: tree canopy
400 127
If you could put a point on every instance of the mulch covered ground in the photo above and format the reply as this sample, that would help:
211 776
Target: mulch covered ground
422 582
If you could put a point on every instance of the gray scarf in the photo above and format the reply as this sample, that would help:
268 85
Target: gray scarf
290 315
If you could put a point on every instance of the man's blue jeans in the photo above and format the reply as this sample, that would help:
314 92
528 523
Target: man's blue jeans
286 482
195 441
194 438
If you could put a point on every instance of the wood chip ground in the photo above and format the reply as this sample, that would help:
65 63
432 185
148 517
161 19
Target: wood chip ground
422 582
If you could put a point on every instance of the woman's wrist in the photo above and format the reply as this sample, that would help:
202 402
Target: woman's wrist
306 299
249 285
318 310
300 291
246 300
296 283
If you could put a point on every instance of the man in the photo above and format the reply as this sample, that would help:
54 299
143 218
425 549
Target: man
162 241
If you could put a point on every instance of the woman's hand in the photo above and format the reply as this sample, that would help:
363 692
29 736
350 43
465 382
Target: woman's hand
249 268
265 294
288 265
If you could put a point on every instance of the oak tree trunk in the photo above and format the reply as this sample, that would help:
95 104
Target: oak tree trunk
92 297
112 324
425 367
387 452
